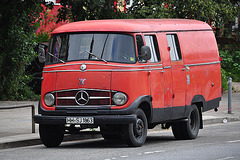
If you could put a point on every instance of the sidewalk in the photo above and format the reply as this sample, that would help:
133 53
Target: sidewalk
16 124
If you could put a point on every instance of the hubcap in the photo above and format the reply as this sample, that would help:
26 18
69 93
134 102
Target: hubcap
139 127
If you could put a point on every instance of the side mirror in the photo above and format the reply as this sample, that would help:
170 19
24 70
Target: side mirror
41 53
145 53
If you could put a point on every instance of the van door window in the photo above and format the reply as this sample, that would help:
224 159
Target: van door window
151 41
140 43
173 43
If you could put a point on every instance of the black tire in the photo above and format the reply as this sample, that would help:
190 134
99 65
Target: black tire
190 128
51 135
136 134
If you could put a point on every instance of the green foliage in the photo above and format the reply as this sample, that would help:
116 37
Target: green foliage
219 13
225 76
231 63
42 37
80 10
17 42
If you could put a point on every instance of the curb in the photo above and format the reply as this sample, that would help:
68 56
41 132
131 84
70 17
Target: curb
220 120
22 143
37 141
93 135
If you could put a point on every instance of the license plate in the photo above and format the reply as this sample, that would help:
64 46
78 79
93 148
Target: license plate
80 120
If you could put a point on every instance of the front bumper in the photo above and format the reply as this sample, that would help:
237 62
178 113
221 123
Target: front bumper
98 120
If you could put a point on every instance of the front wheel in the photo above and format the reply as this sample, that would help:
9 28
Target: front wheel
136 134
51 135
190 128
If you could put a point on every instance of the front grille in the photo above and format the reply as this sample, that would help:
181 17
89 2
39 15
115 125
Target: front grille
83 97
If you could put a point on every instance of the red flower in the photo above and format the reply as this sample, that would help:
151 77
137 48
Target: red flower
166 5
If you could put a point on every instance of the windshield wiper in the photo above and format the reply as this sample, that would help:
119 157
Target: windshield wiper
56 57
95 56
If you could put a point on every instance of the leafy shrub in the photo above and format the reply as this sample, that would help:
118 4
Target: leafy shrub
42 37
17 43
224 79
231 63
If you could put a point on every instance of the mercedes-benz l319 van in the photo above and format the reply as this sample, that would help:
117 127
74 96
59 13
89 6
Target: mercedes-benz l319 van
127 76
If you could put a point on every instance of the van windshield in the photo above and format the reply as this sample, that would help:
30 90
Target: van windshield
91 46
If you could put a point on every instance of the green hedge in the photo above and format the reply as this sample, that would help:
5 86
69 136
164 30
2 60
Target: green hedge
231 63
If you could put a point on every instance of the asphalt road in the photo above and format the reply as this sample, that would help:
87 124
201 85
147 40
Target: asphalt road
215 142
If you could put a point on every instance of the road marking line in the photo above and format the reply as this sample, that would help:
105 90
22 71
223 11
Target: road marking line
151 152
233 141
155 152
148 152
160 151
110 158
124 156
226 158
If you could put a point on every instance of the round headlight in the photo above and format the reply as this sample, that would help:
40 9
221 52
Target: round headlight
120 98
49 99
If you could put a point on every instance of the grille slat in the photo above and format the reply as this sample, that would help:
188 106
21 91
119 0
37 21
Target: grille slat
94 97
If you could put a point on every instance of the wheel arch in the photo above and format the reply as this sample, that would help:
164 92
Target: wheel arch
200 102
142 101
147 109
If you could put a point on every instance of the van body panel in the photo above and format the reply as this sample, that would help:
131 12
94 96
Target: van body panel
202 58
179 83
49 83
156 86
134 79
199 47
80 79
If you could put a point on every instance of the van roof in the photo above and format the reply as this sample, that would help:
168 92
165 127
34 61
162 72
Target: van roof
133 25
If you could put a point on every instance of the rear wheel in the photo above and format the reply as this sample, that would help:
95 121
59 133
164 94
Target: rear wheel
51 135
136 134
190 128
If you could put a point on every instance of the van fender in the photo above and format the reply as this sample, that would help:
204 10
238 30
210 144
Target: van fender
200 102
131 109
199 98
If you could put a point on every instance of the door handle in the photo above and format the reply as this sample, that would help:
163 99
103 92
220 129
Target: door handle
149 73
186 68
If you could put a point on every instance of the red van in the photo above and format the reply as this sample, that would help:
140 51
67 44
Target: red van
127 76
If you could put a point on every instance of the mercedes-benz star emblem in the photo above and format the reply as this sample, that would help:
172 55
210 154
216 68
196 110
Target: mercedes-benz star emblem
82 97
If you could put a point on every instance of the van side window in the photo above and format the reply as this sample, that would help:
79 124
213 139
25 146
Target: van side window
173 43
151 41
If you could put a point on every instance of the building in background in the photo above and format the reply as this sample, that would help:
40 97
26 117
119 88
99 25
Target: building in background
48 18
